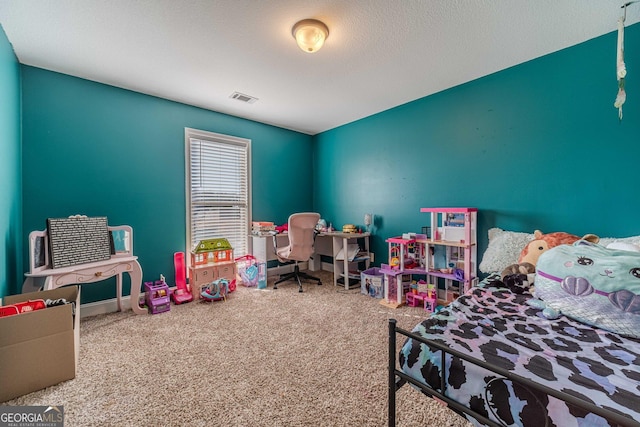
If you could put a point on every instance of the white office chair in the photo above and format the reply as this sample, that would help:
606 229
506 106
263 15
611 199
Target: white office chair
302 233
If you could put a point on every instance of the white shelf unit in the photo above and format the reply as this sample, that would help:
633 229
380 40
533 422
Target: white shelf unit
344 268
454 229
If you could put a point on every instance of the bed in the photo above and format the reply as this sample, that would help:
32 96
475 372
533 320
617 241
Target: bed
495 359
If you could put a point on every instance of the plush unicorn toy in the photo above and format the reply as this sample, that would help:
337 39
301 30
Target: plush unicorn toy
592 284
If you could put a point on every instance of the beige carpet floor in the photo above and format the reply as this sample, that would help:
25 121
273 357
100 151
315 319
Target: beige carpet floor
262 358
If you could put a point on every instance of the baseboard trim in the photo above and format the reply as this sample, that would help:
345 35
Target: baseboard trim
327 266
104 307
284 269
111 305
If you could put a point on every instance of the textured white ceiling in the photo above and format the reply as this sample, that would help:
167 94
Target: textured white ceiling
379 54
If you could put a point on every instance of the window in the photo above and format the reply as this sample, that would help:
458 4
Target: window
218 169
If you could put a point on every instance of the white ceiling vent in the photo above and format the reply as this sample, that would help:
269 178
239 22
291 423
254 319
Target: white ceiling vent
244 98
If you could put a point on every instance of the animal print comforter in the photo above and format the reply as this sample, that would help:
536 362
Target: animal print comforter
498 327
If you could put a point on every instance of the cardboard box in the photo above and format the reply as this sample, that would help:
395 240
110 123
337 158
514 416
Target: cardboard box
39 349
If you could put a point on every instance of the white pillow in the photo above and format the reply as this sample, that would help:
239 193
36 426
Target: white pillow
504 249
623 246
606 241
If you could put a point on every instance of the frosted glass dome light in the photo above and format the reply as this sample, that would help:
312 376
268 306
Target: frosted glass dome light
310 34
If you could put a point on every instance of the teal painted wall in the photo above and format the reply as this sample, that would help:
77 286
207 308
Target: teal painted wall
97 150
536 146
10 170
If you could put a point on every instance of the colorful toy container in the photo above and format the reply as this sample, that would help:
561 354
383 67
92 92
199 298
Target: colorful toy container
371 282
247 270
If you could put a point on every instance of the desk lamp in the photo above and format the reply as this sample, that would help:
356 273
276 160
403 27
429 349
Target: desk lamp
368 221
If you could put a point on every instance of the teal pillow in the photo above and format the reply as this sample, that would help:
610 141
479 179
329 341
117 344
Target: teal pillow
592 284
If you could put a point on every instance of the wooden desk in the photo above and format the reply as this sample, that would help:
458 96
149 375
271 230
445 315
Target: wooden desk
122 262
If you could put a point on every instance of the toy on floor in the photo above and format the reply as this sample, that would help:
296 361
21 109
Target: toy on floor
248 270
216 290
157 296
417 298
181 293
431 298
262 275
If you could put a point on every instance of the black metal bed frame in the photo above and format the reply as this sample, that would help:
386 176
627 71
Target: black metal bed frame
397 378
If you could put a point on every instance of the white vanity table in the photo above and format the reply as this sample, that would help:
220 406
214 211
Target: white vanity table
122 262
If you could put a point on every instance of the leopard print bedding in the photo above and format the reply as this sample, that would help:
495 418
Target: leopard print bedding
497 326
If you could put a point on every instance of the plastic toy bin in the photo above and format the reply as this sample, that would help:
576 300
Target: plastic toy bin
248 270
371 282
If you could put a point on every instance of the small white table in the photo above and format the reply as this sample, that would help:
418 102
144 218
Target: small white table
123 262
340 242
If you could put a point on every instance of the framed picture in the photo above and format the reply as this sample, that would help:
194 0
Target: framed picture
78 240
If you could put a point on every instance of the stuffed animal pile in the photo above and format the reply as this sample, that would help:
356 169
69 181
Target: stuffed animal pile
519 277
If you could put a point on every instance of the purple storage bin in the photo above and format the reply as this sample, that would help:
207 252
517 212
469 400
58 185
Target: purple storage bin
371 282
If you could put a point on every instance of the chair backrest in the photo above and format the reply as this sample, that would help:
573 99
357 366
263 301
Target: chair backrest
302 235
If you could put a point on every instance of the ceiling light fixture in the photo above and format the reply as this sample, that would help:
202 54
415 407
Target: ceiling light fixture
310 34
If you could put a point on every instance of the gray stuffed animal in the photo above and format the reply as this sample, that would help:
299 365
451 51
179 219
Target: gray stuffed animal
522 268
519 277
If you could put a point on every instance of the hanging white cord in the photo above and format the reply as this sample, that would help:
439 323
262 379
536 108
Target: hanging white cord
621 70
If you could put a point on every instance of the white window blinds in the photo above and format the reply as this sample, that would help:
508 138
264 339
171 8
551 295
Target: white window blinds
218 189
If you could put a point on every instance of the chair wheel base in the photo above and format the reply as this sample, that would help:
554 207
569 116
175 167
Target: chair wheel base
297 276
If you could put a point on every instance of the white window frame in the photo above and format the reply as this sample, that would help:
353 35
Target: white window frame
240 242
